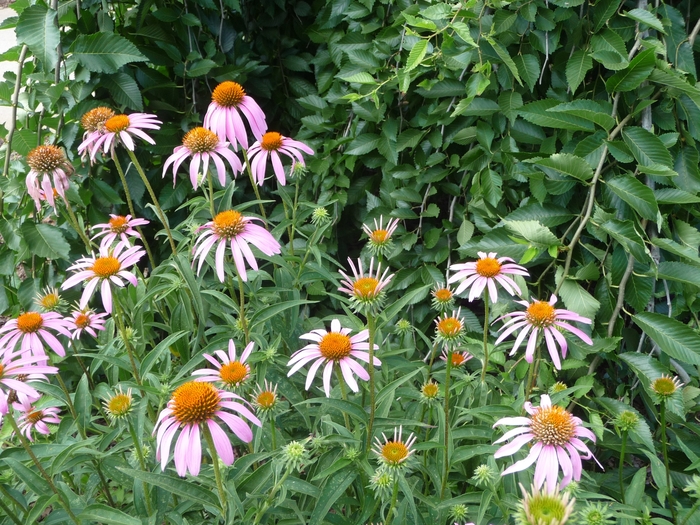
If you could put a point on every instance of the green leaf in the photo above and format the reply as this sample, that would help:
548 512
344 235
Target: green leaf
567 165
183 488
676 248
83 402
633 75
37 29
625 233
45 240
363 144
578 300
533 232
603 12
152 357
639 196
107 515
641 432
645 367
503 54
342 406
529 69
537 113
332 490
105 52
674 196
611 60
676 339
268 312
417 54
124 90
510 102
24 141
38 508
491 184
646 147
576 68
34 481
200 67
589 110
681 272
359 78
462 31
645 17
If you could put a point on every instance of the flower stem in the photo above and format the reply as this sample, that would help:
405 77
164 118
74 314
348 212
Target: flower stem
8 512
76 225
211 194
244 323
446 463
343 393
294 216
268 501
142 462
394 498
130 203
622 463
37 463
274 432
117 314
370 424
664 452
252 182
486 338
159 210
217 472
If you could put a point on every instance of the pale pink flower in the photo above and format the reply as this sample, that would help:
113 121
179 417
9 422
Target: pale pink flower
47 162
232 227
107 269
4 405
30 328
380 235
86 321
271 145
120 128
223 116
555 436
192 406
33 418
93 123
203 145
18 374
120 227
230 371
486 272
458 358
541 316
331 348
365 290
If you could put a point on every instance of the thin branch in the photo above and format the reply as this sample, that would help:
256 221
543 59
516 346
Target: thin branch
13 117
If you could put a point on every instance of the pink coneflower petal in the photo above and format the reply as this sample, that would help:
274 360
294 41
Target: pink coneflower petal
484 273
272 144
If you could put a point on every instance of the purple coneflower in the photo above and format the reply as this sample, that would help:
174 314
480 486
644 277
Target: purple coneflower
230 371
271 145
47 162
365 290
36 419
486 272
122 128
86 321
118 226
18 375
30 328
223 116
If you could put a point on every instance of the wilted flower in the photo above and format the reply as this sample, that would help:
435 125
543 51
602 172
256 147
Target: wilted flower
230 371
486 272
271 145
443 298
663 387
47 162
27 330
541 316
544 507
118 226
93 123
36 419
18 375
333 348
120 128
394 453
203 145
380 236
192 406
365 291
86 320
107 269
119 405
232 227
556 435
223 116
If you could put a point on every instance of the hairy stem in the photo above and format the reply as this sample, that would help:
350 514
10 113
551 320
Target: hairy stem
371 326
486 337
446 462
217 472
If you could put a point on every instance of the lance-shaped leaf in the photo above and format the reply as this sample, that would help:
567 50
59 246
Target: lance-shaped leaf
105 52
639 196
633 75
675 339
646 147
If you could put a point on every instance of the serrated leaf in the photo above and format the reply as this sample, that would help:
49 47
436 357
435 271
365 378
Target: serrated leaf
674 196
533 232
641 432
633 75
676 248
200 67
462 31
359 78
680 272
181 487
510 102
587 109
491 183
124 90
646 147
603 12
107 515
363 144
565 164
639 196
576 68
537 113
416 56
24 141
611 60
578 300
45 240
529 69
37 29
465 232
675 339
503 54
624 233
105 52
645 17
